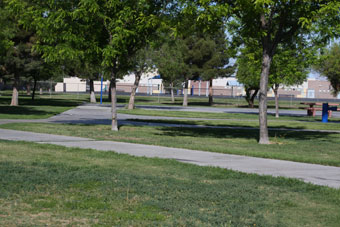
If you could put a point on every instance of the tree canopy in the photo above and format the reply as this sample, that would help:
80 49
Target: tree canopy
272 23
329 66
109 31
7 30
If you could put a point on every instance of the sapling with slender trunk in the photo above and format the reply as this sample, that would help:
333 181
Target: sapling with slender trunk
185 93
15 92
92 94
134 90
275 88
113 89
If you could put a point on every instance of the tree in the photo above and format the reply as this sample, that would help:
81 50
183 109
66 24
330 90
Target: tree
20 60
187 54
169 62
272 23
329 66
197 20
141 63
248 72
290 67
196 55
7 30
200 59
40 70
214 58
110 31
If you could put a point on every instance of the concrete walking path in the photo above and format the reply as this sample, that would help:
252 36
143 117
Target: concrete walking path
316 174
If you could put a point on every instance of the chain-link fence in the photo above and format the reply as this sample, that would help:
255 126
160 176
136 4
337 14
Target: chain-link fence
29 86
83 86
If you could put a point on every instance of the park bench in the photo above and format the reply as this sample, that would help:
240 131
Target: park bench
316 106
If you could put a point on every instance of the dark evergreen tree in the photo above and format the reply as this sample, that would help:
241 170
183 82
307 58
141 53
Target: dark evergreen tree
212 58
169 61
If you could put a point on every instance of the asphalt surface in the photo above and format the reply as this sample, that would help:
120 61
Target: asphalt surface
311 173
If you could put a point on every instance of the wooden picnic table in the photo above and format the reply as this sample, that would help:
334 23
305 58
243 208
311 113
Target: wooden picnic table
316 106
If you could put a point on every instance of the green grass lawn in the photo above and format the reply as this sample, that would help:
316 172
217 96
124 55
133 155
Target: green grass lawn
42 107
309 147
51 185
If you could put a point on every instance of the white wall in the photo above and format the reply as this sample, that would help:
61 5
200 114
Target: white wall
144 81
59 87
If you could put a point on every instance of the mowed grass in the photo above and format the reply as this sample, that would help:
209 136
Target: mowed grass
52 185
42 107
310 147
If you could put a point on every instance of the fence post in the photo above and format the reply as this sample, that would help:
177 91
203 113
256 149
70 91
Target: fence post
50 89
199 88
325 112
207 90
101 89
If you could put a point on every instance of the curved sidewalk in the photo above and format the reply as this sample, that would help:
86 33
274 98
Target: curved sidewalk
316 174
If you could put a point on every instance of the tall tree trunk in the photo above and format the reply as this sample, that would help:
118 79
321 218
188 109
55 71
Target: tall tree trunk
276 89
15 94
248 99
134 89
172 92
114 125
34 88
266 61
92 94
28 86
185 97
250 96
109 95
211 92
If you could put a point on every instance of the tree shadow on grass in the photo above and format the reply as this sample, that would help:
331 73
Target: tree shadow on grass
27 101
287 116
245 133
125 100
23 110
197 123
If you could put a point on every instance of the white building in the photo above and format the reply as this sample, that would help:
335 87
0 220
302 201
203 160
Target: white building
76 84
